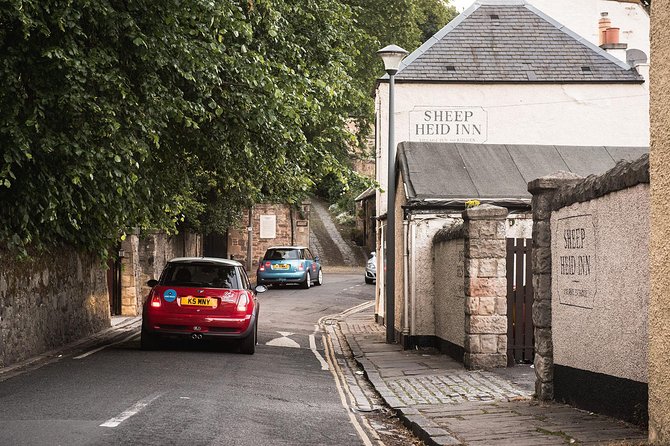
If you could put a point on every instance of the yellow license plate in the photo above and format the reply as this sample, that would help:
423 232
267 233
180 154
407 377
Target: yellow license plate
198 301
281 266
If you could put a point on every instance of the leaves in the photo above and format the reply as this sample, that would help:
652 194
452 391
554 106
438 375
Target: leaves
145 114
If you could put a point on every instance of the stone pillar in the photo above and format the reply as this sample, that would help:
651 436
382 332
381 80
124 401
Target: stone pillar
130 266
543 190
485 287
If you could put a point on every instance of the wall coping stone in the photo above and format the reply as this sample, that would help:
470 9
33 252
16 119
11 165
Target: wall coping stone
572 188
485 212
552 181
453 232
624 175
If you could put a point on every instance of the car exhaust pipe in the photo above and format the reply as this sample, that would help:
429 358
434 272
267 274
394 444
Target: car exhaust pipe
196 336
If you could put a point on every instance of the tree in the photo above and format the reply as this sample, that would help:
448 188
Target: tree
124 113
407 23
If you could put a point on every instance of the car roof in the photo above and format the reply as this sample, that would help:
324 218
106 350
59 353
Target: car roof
287 247
218 260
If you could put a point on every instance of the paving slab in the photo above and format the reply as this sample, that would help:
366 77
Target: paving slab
444 404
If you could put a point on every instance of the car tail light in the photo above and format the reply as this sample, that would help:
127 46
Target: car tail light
155 301
261 267
301 267
243 302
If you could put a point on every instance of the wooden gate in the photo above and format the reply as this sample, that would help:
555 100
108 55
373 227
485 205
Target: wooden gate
520 340
114 285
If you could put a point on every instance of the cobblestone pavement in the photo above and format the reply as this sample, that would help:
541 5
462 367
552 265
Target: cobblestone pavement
444 404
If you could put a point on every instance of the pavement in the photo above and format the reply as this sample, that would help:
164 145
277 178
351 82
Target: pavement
445 404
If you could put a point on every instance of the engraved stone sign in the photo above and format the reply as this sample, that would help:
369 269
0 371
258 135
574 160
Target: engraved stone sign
574 261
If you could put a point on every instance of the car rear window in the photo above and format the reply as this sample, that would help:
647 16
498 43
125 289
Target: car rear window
282 254
206 275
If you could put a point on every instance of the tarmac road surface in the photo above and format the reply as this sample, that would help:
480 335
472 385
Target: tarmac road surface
196 394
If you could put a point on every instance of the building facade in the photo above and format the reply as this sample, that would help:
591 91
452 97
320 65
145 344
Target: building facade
504 72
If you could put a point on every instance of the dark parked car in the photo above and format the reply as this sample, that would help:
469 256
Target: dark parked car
289 264
201 298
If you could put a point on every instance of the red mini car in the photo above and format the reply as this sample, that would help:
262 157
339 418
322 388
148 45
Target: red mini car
202 298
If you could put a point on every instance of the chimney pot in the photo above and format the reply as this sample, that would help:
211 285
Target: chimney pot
603 24
611 36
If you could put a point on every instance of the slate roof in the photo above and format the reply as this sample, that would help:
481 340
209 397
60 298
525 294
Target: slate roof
511 41
448 174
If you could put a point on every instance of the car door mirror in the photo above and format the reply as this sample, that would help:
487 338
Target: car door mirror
260 289
317 258
152 283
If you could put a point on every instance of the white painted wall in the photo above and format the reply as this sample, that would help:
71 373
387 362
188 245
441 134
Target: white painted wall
448 275
421 290
604 331
546 114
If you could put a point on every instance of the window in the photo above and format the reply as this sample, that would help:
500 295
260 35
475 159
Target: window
204 274
282 254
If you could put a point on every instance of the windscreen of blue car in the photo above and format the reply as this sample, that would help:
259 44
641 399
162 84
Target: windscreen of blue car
282 254
206 275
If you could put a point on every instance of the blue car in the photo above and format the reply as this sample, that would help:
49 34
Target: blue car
289 264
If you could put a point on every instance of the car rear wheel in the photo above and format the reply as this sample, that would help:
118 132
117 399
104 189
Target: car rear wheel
319 278
307 282
248 346
369 281
148 341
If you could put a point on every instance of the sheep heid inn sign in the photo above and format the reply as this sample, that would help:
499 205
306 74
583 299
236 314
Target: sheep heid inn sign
574 261
456 124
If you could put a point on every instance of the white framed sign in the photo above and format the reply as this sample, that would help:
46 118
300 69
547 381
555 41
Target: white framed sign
268 226
448 124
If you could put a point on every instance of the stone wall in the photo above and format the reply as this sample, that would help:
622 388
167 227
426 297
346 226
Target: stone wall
291 227
145 256
590 276
50 301
659 305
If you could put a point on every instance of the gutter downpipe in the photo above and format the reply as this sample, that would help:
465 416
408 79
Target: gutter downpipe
405 255
413 268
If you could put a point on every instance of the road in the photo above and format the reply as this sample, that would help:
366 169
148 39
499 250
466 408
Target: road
186 394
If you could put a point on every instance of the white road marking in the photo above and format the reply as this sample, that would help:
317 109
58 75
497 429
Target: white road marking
283 342
132 410
285 333
312 346
96 350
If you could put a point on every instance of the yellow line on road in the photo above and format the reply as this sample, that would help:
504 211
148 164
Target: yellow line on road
340 379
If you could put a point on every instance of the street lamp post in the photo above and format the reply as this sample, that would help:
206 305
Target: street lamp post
392 55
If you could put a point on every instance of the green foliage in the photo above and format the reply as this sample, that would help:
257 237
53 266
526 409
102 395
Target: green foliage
407 23
136 113
123 113
342 191
432 15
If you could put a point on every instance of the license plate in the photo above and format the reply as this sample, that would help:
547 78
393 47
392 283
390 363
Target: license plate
281 266
198 301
